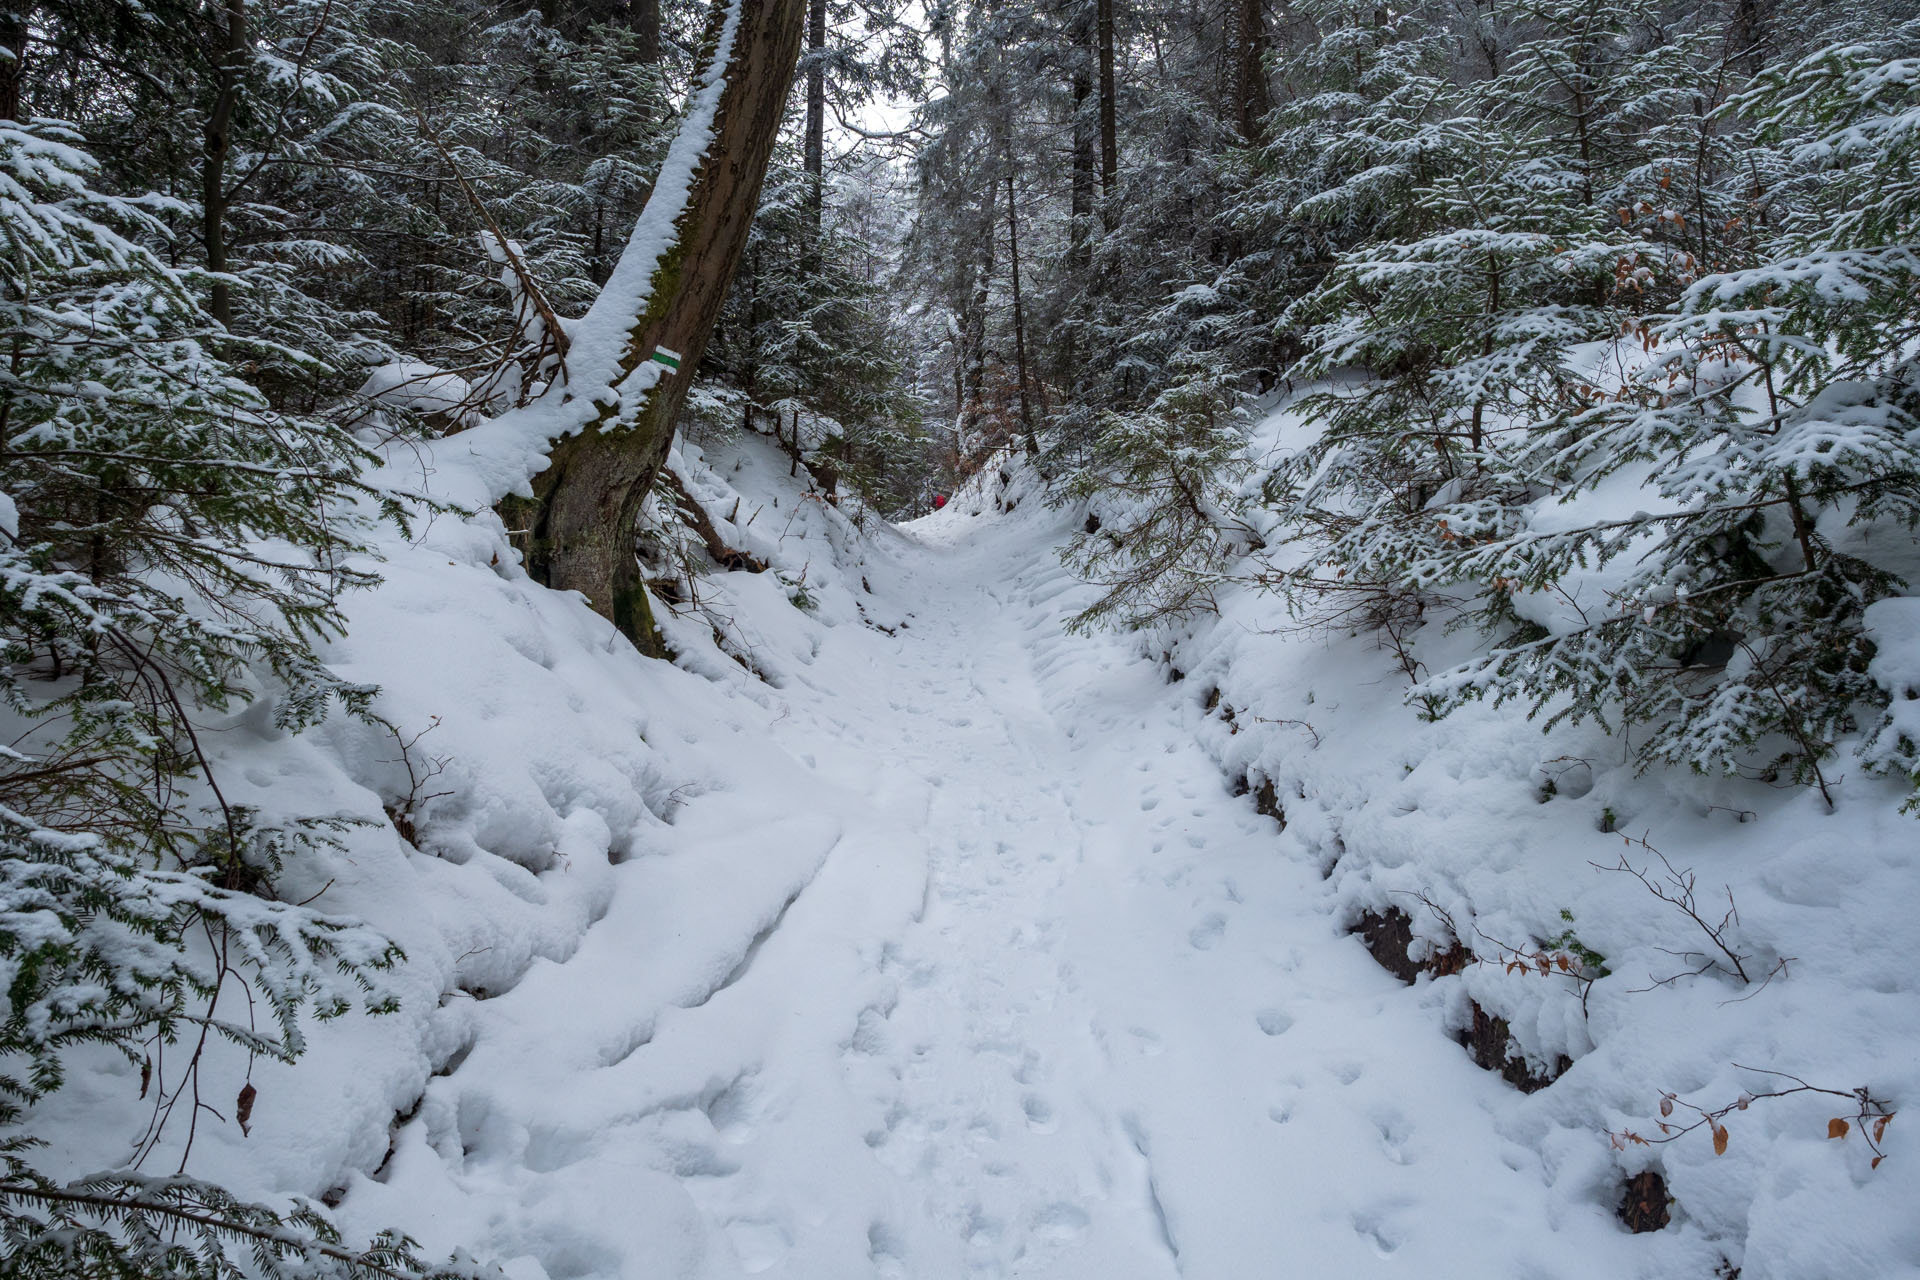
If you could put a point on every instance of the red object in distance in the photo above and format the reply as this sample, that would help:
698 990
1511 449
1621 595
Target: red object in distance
939 501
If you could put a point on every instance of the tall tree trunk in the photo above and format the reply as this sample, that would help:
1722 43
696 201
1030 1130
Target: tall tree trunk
590 496
217 147
1251 98
973 320
1019 316
1080 231
645 15
1109 138
959 390
815 153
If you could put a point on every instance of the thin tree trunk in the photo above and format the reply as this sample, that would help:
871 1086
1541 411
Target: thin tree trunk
973 336
217 148
815 153
1019 316
1109 139
1251 99
959 391
1477 428
645 15
591 494
1080 233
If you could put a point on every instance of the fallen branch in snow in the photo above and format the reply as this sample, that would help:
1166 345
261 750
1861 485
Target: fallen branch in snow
696 518
1298 724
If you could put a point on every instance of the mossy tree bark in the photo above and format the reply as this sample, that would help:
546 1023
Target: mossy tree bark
588 501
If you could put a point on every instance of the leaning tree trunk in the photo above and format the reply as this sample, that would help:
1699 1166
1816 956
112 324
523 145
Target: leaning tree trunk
588 500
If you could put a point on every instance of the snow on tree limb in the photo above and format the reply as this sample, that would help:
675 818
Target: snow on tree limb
505 453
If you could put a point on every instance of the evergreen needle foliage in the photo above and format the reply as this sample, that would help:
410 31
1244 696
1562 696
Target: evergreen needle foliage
172 546
1601 319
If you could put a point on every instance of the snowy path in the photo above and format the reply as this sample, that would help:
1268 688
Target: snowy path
1026 992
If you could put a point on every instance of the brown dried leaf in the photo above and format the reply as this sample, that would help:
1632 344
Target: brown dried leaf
243 1107
146 1075
1880 1128
1876 1162
1838 1128
1666 1106
1719 1141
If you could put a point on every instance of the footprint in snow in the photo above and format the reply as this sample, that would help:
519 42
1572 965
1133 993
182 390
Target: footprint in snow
1394 1132
1148 1043
983 1232
1204 935
885 1250
1273 1022
759 1244
1062 1222
1039 1114
1373 1227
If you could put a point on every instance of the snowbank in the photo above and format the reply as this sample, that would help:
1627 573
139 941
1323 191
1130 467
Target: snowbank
895 931
1527 848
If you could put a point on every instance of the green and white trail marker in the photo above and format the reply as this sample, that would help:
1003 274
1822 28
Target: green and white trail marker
671 359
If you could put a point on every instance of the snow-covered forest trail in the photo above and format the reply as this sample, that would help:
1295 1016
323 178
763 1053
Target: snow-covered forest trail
1035 995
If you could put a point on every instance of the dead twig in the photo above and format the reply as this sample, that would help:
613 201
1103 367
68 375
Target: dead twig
1677 889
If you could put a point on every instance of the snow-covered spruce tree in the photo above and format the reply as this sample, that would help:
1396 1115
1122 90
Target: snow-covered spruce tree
1442 352
1164 480
170 549
1774 412
1360 128
252 119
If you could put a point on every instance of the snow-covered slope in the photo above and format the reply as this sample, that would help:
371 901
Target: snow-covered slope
1504 851
894 931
